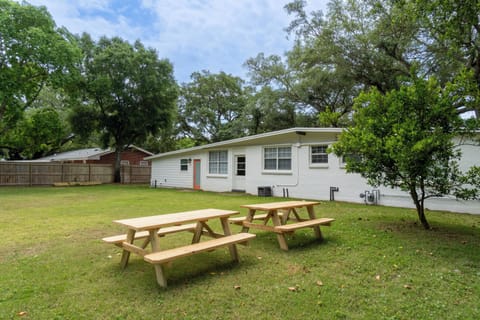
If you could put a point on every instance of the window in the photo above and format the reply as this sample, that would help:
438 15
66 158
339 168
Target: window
277 158
241 166
318 154
143 163
218 162
124 162
183 164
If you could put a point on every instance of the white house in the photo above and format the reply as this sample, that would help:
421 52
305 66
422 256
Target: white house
291 163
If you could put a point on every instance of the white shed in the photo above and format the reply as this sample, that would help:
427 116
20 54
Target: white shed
291 163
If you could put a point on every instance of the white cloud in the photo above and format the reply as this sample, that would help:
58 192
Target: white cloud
218 32
217 35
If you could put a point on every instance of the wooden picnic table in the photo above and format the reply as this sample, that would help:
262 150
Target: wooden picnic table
151 228
280 213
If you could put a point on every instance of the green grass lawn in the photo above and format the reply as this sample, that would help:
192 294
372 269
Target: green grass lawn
375 262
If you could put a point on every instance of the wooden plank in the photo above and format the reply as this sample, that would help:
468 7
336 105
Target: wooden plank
263 216
280 205
282 241
228 232
126 253
304 224
316 229
247 224
166 220
118 239
172 254
133 248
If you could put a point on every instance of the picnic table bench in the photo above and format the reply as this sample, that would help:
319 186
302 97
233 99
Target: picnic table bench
152 227
280 214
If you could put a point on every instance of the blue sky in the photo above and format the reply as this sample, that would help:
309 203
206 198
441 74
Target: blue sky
195 35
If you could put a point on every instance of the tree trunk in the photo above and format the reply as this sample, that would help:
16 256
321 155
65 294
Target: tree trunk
419 204
117 178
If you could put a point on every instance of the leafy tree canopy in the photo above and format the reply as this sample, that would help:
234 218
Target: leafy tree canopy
404 139
211 106
33 52
130 93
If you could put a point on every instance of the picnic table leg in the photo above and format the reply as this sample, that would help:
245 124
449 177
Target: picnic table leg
282 241
159 272
316 229
227 232
251 213
285 216
126 254
198 232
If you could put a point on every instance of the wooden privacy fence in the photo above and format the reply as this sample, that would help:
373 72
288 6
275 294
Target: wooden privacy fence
48 173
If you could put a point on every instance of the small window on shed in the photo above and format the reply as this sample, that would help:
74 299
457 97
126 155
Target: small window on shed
143 163
124 162
183 164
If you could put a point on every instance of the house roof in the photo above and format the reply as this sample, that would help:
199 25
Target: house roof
81 154
249 140
84 154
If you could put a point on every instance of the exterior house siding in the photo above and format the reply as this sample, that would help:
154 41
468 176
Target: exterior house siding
304 180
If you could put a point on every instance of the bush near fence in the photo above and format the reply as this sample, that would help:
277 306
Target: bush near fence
48 173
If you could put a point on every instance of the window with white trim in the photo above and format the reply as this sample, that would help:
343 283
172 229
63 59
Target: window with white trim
318 154
218 162
277 158
183 164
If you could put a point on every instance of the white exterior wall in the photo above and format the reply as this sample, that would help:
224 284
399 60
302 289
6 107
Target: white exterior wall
166 173
304 180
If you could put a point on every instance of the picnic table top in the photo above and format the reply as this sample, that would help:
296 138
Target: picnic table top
280 205
172 219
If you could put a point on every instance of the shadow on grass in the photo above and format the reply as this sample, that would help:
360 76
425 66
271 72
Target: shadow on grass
449 240
188 270
300 240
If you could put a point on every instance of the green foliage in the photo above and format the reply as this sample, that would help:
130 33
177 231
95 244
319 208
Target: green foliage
404 138
130 93
210 107
454 27
40 132
267 111
34 52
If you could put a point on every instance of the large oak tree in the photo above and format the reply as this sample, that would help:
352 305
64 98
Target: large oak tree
129 93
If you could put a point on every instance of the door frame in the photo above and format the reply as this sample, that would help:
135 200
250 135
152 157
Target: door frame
197 164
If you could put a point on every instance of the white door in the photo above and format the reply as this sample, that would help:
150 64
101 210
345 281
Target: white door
239 172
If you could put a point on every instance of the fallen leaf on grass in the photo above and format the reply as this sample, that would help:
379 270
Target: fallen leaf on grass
407 286
236 287
319 283
377 277
22 313
293 289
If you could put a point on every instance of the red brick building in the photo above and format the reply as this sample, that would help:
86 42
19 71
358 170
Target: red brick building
131 156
